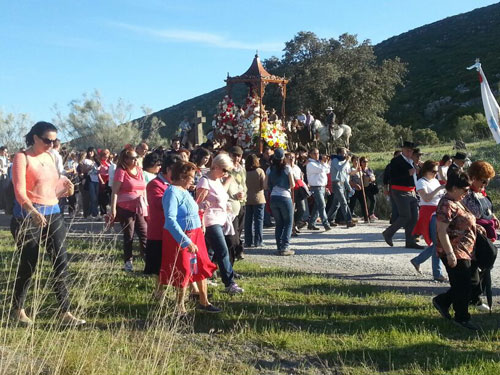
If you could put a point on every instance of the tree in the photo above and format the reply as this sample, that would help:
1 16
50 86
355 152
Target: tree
341 73
88 123
425 137
472 128
402 134
13 128
373 135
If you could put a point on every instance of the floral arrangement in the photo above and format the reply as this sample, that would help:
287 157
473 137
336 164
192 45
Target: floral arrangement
274 134
226 118
240 126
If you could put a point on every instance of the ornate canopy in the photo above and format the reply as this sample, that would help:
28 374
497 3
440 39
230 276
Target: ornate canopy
257 78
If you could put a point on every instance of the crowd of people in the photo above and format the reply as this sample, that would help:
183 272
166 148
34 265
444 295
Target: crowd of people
194 212
447 204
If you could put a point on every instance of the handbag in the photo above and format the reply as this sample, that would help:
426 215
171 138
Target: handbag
300 191
485 251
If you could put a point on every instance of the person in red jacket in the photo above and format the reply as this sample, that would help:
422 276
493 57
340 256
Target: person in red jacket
156 220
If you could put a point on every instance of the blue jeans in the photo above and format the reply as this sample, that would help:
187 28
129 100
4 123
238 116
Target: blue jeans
282 209
218 247
339 201
94 195
254 223
318 193
430 251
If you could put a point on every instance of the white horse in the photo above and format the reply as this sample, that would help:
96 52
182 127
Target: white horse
326 135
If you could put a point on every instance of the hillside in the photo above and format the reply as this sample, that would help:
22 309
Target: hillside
438 88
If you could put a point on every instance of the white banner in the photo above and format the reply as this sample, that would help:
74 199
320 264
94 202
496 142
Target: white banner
491 108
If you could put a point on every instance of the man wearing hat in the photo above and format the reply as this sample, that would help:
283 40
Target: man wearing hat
417 160
403 180
458 163
237 199
330 117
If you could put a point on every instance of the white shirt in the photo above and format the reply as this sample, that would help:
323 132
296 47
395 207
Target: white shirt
4 165
58 160
428 186
317 173
296 172
111 173
93 171
410 161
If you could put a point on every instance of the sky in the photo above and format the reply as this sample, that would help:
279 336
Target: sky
157 53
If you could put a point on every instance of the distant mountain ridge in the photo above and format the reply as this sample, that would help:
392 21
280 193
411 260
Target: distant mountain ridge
438 88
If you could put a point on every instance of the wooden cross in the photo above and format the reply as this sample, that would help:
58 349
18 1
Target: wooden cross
199 137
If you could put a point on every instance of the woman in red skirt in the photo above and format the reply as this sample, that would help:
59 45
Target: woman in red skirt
184 254
430 191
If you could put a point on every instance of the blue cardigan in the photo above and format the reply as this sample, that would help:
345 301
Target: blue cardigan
181 213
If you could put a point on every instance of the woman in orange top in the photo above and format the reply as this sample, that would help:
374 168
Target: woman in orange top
37 220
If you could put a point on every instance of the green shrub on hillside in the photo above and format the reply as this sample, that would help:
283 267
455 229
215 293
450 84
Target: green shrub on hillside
402 134
373 135
472 128
425 137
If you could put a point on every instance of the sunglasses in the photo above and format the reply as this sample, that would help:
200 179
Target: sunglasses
435 171
225 170
485 182
48 141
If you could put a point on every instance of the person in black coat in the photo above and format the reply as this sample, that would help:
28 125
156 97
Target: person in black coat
458 163
387 188
402 176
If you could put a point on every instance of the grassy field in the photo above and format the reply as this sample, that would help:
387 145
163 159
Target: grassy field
287 322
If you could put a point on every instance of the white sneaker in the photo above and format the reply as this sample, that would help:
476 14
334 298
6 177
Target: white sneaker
128 267
483 307
234 289
211 282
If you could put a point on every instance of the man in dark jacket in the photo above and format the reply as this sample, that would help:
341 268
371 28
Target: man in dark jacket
458 163
402 177
387 188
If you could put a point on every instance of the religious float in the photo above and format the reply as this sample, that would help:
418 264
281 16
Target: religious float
249 125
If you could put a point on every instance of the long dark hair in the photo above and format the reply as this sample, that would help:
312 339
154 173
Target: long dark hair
39 130
278 164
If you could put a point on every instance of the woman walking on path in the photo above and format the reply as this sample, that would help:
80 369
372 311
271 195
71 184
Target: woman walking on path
184 254
129 204
456 229
212 196
481 173
104 190
254 212
430 191
279 181
37 220
156 220
91 184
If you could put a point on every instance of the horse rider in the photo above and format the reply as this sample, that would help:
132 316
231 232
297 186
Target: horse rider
273 117
309 123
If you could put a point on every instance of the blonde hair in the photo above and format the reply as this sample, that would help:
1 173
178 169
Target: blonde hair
223 161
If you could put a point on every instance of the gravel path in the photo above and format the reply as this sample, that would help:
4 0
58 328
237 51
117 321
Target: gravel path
358 254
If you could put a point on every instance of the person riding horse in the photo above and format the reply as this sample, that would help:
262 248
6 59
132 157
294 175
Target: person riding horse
330 120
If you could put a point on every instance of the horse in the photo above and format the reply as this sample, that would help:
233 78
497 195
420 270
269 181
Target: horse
318 134
328 134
